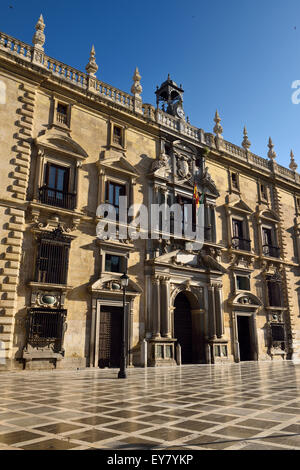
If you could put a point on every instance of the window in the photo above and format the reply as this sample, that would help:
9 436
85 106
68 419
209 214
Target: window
274 287
117 135
209 223
184 203
62 113
53 257
242 283
234 181
113 192
263 192
115 263
239 242
298 203
268 247
45 327
54 192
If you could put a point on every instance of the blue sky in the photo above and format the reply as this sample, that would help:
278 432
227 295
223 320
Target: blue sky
240 56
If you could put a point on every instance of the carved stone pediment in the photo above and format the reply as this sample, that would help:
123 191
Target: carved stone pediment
245 300
195 260
110 284
53 140
113 161
267 214
237 204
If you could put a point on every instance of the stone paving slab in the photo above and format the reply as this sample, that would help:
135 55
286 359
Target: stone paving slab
246 406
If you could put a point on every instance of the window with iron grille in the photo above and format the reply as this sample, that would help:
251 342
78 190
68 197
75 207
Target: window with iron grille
46 327
53 257
277 335
274 285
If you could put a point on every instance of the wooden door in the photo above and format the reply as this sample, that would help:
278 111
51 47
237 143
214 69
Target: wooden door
110 337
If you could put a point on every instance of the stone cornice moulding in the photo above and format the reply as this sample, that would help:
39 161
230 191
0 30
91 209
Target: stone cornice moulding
21 55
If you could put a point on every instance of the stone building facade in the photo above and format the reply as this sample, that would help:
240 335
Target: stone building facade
69 143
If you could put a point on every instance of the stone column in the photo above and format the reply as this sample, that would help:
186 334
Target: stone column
77 184
236 346
156 307
211 313
101 187
97 334
93 333
165 302
219 311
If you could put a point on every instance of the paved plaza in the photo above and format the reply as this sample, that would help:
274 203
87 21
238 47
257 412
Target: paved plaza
233 406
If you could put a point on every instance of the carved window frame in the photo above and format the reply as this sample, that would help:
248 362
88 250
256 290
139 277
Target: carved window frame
56 100
111 144
233 189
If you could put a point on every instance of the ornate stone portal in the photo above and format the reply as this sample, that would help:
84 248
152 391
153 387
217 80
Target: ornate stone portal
193 277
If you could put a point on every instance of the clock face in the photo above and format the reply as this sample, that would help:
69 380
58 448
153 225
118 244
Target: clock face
180 112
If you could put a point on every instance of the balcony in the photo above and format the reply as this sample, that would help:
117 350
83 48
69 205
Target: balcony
273 251
239 243
57 198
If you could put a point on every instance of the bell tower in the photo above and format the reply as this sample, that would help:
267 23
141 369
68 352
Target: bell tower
171 97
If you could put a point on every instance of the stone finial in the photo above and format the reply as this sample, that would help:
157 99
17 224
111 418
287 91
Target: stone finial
218 129
246 143
38 39
271 152
136 88
92 67
293 165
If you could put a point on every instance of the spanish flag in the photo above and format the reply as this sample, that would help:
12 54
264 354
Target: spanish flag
196 197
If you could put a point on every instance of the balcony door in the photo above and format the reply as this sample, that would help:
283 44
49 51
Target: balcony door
56 184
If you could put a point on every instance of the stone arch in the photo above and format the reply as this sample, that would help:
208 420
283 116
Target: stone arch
192 294
188 323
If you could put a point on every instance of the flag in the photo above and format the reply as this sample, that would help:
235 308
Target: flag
196 197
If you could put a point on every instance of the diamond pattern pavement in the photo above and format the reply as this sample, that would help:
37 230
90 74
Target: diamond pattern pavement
246 406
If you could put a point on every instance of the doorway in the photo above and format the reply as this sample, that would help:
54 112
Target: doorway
244 326
183 327
110 336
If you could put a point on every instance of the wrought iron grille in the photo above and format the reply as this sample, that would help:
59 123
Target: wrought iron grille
239 243
57 198
277 335
45 327
269 250
53 257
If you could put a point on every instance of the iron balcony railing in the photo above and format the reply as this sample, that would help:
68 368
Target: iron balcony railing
239 243
273 251
57 198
